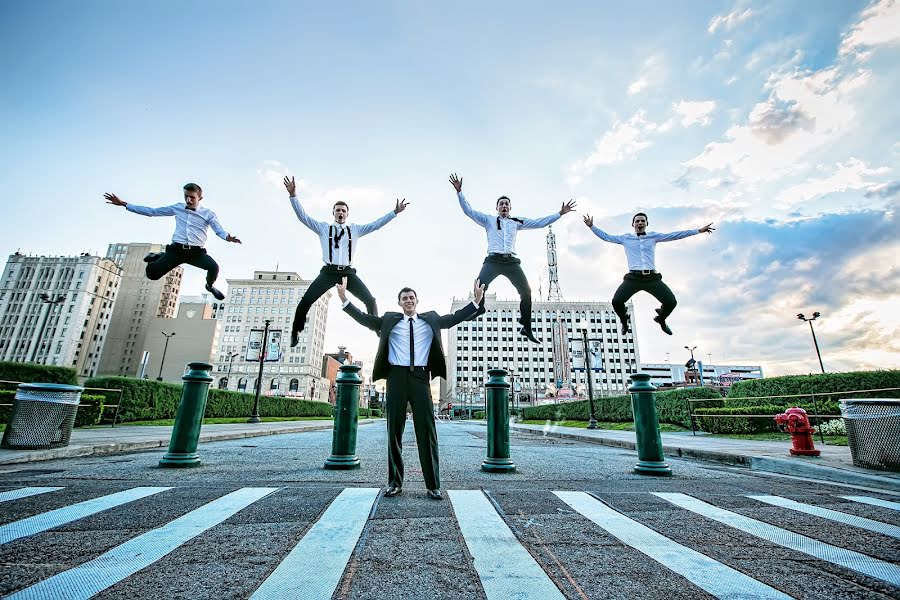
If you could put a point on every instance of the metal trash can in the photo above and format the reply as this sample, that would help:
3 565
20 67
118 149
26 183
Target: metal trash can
873 432
42 416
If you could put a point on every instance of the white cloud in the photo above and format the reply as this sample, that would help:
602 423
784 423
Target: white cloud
273 172
622 142
695 112
651 74
729 21
852 175
880 26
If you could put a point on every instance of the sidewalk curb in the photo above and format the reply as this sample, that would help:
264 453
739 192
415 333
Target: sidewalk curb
27 456
796 466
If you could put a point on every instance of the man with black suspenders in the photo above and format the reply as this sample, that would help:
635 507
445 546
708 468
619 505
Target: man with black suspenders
339 242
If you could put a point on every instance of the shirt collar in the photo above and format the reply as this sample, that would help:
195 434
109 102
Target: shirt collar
415 317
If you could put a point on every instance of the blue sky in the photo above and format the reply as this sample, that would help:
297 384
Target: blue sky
776 120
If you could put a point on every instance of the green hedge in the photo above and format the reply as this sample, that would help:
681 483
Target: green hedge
147 400
478 414
711 424
375 412
32 373
809 384
671 406
89 412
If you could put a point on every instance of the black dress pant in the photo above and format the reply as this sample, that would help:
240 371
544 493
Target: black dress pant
328 277
510 267
651 283
413 388
177 254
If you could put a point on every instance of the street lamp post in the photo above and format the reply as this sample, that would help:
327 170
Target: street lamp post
50 302
815 316
165 348
583 326
231 356
254 417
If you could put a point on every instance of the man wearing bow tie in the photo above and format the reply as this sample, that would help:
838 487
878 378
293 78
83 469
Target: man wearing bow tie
409 354
640 251
340 243
501 230
189 239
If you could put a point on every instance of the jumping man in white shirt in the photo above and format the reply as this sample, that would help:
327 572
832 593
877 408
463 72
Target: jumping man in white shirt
189 238
339 244
640 250
501 232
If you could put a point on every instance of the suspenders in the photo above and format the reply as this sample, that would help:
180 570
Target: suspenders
349 244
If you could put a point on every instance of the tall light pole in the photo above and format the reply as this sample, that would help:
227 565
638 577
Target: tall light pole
815 316
50 302
165 348
231 356
263 350
583 326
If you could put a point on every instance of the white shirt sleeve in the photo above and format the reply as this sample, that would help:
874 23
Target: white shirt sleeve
479 217
540 223
676 235
216 226
375 225
162 211
613 239
318 227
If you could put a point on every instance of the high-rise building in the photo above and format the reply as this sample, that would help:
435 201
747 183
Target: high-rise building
493 340
271 295
139 300
56 309
191 336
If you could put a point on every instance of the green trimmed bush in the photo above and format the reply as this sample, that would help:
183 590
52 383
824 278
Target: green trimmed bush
814 384
364 413
709 422
478 414
375 412
32 373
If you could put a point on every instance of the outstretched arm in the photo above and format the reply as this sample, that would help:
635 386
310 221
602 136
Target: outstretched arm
379 223
466 312
365 319
567 207
316 226
479 217
162 211
680 235
613 239
219 231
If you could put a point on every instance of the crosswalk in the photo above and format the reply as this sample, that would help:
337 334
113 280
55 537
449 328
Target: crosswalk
324 556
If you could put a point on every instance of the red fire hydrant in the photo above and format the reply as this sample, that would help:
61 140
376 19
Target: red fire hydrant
797 424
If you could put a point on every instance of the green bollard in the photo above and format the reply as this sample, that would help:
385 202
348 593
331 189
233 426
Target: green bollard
186 432
343 441
497 405
646 427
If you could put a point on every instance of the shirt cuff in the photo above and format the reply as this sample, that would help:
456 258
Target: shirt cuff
344 305
475 304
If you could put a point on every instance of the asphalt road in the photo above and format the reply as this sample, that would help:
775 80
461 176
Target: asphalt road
261 516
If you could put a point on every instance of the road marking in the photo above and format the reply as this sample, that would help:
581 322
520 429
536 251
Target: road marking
504 566
113 566
874 501
832 515
25 492
710 575
67 514
849 559
314 567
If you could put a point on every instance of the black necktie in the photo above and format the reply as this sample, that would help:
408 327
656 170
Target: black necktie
412 346
338 237
519 221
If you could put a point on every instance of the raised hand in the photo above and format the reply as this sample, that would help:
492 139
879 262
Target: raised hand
707 228
478 291
231 238
113 199
342 289
567 207
589 220
401 206
457 182
290 185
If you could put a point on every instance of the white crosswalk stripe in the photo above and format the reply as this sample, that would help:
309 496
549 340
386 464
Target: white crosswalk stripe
113 566
710 575
61 516
505 568
313 569
874 502
25 492
832 515
849 559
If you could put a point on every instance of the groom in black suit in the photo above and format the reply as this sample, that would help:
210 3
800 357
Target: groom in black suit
409 354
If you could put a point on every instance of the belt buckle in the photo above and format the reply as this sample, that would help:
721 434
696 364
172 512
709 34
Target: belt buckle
341 267
647 272
185 246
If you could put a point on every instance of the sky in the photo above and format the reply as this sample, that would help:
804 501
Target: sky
772 120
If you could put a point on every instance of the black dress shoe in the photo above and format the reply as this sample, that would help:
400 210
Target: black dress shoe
295 338
435 494
152 257
528 334
393 491
216 293
623 327
662 323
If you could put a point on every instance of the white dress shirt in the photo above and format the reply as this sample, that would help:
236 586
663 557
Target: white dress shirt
398 343
503 240
190 225
340 255
640 250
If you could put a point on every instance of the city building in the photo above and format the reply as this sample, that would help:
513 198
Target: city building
331 368
139 300
549 371
191 336
56 310
672 375
271 295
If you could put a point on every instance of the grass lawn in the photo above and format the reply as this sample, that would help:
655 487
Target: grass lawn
830 440
605 425
218 420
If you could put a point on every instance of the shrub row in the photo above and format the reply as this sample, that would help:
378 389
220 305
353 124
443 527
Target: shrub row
369 413
808 384
89 412
32 373
712 424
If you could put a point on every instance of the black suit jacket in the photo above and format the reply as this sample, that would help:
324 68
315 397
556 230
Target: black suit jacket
437 364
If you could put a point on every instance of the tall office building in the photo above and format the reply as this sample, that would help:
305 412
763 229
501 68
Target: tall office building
56 310
493 340
271 295
139 300
191 336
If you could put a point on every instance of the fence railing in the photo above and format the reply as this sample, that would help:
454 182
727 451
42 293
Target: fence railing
105 406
